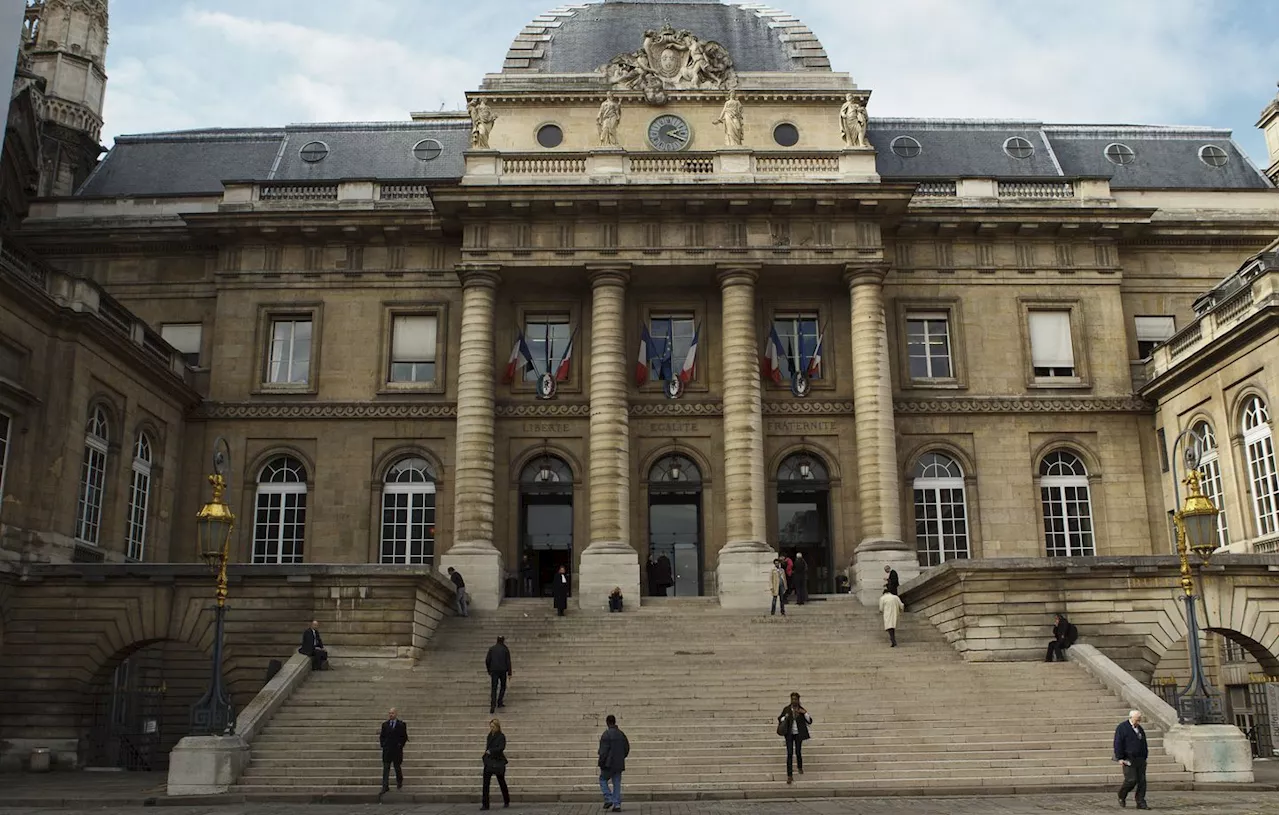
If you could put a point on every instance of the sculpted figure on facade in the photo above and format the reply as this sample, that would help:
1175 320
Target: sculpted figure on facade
731 118
607 121
482 119
669 59
853 122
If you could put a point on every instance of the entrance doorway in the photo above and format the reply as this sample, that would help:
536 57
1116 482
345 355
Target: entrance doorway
804 492
675 528
546 524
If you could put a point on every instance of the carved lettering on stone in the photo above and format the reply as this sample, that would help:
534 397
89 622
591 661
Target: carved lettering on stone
783 428
671 60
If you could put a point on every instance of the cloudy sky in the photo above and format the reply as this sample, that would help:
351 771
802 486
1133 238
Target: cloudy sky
178 64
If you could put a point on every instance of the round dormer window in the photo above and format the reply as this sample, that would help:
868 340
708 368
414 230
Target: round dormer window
313 151
550 136
1118 153
427 149
1018 147
1213 155
905 147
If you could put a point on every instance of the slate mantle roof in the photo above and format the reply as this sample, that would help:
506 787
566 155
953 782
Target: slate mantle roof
578 38
197 162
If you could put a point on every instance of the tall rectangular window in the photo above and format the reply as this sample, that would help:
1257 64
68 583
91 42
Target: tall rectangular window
798 332
289 362
413 348
1051 351
5 424
185 338
929 346
672 335
139 495
1151 332
548 337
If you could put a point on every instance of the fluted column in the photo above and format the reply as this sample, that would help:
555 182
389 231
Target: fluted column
609 560
472 551
878 500
742 572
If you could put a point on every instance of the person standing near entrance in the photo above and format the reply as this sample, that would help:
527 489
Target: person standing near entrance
495 763
890 579
800 579
778 588
498 665
793 725
891 606
459 592
789 566
560 591
612 761
664 579
526 576
1130 749
392 739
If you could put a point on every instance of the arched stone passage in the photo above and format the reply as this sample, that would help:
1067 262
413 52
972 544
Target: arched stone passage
1240 610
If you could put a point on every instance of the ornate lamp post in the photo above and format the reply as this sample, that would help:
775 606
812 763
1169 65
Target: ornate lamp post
213 714
1196 530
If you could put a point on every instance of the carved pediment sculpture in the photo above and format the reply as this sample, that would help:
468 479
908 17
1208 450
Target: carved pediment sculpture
672 60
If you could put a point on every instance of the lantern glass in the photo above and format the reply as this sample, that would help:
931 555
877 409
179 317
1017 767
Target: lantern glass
1202 532
806 471
213 529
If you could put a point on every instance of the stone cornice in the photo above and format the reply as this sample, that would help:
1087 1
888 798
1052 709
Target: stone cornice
805 407
677 409
324 410
1009 404
541 410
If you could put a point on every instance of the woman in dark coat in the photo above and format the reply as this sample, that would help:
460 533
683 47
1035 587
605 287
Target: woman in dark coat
793 725
495 763
560 591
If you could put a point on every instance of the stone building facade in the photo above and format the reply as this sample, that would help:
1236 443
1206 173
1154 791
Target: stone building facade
916 339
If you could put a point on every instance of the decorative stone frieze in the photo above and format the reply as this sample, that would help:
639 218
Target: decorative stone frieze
1011 404
214 411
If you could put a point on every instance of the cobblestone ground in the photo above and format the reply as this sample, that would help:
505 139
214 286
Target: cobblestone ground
1217 803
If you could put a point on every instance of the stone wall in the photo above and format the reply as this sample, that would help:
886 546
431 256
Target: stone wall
66 628
1129 608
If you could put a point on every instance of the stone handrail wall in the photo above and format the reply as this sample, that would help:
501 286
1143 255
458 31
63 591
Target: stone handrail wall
66 627
1130 608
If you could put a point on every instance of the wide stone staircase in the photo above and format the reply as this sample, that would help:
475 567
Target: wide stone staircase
697 690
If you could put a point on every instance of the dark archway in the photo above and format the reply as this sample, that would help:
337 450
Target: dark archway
804 516
546 522
675 527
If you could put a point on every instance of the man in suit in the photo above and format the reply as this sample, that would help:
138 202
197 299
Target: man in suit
801 579
1064 636
392 739
612 760
1130 749
459 592
890 579
498 663
313 647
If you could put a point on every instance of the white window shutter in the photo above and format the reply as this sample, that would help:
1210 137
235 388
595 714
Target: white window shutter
185 337
413 339
1153 329
1051 339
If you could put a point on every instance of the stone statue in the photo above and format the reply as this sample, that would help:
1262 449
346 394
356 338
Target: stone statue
671 60
482 120
731 118
608 119
853 122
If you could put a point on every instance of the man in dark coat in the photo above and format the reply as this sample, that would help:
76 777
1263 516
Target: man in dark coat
800 581
793 725
560 591
459 592
613 752
890 579
392 739
498 663
527 572
1064 636
1130 749
313 647
664 579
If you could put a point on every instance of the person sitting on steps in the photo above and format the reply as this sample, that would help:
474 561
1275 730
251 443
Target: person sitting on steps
1064 636
615 599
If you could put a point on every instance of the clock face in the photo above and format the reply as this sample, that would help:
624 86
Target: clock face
669 133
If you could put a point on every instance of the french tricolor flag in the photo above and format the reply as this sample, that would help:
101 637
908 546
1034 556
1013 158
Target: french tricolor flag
771 361
691 357
645 359
509 375
562 370
815 361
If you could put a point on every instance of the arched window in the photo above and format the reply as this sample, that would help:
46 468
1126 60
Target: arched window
1256 424
139 494
1064 498
93 473
1208 444
547 472
675 470
409 512
942 524
800 470
280 512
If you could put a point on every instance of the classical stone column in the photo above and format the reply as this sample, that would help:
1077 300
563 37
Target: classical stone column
742 572
472 552
878 483
609 560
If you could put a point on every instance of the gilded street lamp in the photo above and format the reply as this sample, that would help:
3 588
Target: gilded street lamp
1196 530
213 715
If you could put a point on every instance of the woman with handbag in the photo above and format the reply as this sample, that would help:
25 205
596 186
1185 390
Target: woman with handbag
495 763
793 725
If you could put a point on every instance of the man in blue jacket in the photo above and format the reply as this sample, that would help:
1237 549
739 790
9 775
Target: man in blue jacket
1130 749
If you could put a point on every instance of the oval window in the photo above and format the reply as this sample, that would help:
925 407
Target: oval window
550 135
786 134
427 149
905 147
314 151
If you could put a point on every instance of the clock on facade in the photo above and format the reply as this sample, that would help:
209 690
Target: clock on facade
669 133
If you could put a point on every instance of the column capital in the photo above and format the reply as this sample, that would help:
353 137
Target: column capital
608 274
479 275
861 275
737 274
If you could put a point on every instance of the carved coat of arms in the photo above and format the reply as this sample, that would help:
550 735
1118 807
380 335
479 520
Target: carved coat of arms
669 59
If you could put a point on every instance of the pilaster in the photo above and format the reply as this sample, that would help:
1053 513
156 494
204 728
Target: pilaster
609 560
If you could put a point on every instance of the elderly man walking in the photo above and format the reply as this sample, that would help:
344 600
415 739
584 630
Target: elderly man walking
1130 749
890 607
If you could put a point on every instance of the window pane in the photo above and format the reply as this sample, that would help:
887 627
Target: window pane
547 336
185 338
413 339
290 360
672 335
1051 339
